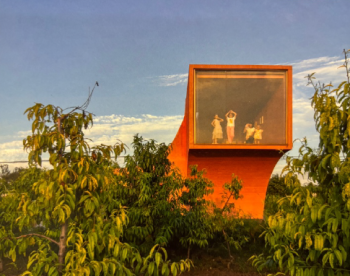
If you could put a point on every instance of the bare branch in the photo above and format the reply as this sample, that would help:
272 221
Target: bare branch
346 65
86 103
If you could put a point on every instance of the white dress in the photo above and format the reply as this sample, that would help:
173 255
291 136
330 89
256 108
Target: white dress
217 132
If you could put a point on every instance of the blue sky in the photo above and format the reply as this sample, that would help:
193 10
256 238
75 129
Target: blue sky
139 51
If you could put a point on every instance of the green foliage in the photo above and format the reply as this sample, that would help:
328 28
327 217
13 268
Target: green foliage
194 225
150 189
84 219
14 187
309 234
88 216
163 207
8 176
226 221
279 187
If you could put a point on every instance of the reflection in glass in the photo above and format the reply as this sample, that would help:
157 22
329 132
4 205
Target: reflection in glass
240 107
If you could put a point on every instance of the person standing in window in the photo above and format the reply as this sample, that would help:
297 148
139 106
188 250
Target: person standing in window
258 135
217 132
249 133
230 128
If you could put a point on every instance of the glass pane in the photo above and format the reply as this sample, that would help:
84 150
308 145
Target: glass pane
240 107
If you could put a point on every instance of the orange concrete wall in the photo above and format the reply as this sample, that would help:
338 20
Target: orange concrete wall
253 167
179 153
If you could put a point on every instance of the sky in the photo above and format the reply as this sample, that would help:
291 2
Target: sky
51 52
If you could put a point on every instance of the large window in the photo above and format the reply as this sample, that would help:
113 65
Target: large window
240 107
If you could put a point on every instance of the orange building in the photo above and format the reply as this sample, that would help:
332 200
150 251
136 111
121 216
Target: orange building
238 119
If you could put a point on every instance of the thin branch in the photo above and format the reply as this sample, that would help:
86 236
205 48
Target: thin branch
87 102
28 235
346 64
228 199
41 236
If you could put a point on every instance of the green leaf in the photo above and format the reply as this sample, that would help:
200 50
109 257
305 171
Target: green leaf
325 258
51 270
344 253
158 258
319 213
116 250
152 250
104 268
335 225
124 253
313 271
90 249
173 269
150 268
112 268
339 256
314 212
164 268
291 259
331 259
319 241
309 199
165 253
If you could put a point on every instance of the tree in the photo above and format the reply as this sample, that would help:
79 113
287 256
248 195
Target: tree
310 235
13 185
227 221
194 226
84 223
163 207
278 188
8 176
151 188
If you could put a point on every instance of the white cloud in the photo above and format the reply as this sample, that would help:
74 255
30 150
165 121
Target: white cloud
172 80
326 70
109 130
12 151
315 63
24 134
303 122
